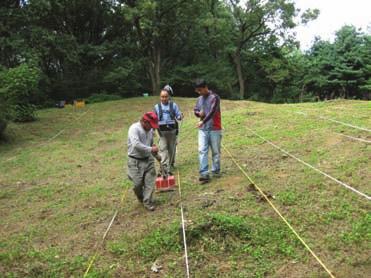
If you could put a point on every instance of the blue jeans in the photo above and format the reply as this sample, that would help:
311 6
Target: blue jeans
206 139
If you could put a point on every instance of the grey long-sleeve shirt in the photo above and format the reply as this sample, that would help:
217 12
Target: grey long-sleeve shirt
139 141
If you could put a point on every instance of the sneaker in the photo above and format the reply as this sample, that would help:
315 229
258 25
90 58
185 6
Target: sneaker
217 175
149 207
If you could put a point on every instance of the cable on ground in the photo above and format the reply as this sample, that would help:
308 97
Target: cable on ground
279 214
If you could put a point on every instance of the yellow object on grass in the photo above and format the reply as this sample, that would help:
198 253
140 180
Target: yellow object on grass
80 103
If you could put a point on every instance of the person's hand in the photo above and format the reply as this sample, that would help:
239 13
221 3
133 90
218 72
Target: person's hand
202 115
200 124
154 149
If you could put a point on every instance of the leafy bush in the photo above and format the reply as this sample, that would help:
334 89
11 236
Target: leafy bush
101 98
24 112
19 86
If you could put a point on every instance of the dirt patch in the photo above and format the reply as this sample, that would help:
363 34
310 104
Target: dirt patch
333 140
258 196
294 269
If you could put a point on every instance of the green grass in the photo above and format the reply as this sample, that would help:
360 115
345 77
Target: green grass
160 241
58 195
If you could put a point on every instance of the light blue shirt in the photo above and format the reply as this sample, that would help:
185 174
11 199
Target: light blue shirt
166 118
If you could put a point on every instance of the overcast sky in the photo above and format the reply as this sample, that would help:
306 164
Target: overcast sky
333 15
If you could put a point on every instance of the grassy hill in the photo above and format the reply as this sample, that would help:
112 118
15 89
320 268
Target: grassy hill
63 177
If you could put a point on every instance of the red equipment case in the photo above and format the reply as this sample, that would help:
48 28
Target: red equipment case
165 184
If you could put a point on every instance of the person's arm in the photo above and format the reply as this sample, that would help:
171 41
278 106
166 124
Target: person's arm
197 109
214 105
178 114
155 109
154 148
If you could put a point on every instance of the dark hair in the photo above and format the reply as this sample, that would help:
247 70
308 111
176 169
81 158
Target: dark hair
163 90
200 83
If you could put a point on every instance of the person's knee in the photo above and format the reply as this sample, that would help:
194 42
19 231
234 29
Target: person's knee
203 148
135 178
138 186
152 172
202 151
216 154
215 147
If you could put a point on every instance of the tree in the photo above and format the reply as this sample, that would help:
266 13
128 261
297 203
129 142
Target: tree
256 21
365 88
19 87
342 68
72 39
12 33
203 51
157 25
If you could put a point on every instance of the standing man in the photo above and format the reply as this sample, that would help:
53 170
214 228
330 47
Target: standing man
210 130
168 114
141 152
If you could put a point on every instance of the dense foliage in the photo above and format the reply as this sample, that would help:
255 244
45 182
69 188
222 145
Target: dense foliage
74 49
19 91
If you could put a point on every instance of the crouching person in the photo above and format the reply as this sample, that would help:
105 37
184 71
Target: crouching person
141 163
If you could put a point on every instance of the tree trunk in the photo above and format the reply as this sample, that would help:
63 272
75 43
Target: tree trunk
302 92
154 69
237 62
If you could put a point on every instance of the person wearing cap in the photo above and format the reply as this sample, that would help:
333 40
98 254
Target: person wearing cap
168 114
207 109
141 153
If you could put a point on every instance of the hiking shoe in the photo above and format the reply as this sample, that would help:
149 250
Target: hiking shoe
149 207
204 179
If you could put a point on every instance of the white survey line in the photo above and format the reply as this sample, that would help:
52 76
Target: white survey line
183 227
336 121
354 138
110 224
312 167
